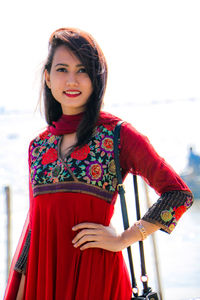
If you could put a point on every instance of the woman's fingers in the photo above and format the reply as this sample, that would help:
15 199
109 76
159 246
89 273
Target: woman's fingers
88 229
85 239
83 233
86 225
93 235
91 245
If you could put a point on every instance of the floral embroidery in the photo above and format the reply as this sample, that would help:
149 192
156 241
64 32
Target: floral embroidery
36 151
107 144
44 135
179 211
94 171
81 153
110 127
49 157
92 164
173 213
172 226
112 167
188 202
52 139
166 215
114 183
171 216
55 171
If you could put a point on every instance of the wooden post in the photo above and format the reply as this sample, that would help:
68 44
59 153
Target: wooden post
155 251
8 213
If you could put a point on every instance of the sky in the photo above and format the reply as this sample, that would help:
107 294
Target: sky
151 46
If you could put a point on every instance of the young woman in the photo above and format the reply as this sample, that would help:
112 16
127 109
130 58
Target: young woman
68 249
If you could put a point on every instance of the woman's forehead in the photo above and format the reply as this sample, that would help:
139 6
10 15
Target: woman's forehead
64 55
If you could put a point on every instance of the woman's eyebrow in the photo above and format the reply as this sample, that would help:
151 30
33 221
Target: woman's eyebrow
66 65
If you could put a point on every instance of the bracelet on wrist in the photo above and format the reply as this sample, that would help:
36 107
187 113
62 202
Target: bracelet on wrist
141 229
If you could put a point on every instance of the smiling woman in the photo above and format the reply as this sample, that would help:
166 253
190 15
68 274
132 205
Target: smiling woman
82 51
68 81
68 249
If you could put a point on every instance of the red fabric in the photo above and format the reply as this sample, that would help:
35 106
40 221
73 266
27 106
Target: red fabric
139 157
69 123
14 276
11 293
56 270
66 124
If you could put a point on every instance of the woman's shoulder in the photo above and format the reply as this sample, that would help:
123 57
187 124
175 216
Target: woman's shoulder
109 120
41 138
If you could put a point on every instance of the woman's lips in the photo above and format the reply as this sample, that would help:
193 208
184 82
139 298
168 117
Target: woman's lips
72 93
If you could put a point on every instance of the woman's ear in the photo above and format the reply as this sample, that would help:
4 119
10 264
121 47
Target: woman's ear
47 78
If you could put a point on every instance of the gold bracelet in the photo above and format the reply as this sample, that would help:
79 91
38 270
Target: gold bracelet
142 230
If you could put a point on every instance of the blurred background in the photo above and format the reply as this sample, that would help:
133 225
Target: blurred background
153 53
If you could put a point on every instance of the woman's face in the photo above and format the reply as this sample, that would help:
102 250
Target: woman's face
68 81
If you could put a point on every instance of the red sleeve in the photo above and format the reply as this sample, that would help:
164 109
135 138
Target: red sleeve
138 156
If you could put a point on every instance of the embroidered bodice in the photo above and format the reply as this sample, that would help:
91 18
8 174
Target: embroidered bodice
90 168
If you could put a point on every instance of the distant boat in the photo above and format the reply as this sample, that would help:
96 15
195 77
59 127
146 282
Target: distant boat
191 175
193 182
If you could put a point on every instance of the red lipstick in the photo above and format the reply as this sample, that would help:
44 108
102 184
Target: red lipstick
72 93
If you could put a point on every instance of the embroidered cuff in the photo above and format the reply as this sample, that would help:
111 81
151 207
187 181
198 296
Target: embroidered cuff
20 265
168 209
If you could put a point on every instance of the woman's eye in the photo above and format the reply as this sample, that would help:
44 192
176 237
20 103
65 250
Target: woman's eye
61 70
82 70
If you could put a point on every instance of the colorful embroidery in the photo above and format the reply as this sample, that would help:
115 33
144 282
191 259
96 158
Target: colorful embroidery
171 216
188 202
92 164
52 139
179 211
44 135
36 151
114 183
173 213
107 144
112 167
81 153
172 226
110 127
166 215
49 157
94 171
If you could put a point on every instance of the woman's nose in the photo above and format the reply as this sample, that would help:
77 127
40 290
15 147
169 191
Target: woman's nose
71 80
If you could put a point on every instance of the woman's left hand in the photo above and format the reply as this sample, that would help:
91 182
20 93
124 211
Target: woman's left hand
93 235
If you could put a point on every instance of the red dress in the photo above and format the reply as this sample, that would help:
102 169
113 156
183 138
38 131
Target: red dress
82 188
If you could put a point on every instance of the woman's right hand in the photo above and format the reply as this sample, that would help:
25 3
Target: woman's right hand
92 235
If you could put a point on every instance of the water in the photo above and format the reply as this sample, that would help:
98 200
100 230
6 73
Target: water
171 127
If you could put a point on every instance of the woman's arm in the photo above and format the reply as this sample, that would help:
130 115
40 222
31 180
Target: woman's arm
134 234
21 288
138 156
93 235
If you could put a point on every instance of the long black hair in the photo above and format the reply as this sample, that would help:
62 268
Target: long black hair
86 49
